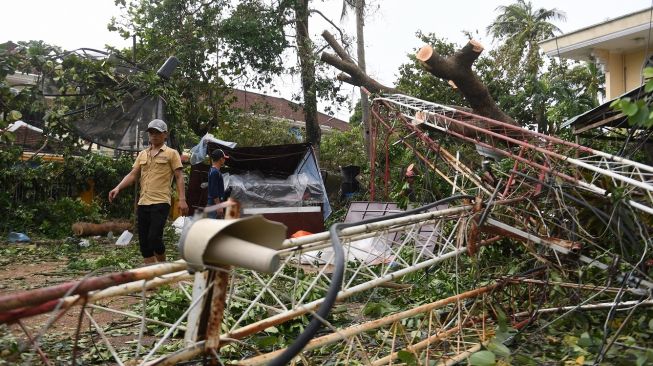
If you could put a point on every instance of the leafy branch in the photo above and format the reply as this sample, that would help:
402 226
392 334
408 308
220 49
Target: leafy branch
638 110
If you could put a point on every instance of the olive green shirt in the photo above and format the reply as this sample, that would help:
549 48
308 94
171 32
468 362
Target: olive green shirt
156 174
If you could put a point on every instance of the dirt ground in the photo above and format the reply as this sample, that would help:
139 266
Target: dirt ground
26 276
28 267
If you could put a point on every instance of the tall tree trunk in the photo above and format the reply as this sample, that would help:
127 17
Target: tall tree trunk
540 118
360 50
307 67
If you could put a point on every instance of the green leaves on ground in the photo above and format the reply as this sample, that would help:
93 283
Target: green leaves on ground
379 309
483 358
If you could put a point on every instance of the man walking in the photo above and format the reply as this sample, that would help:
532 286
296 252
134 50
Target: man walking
155 166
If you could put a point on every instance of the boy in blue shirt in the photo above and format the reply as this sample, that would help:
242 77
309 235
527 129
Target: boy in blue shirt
216 184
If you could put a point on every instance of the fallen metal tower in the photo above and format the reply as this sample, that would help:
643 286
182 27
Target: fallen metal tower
534 202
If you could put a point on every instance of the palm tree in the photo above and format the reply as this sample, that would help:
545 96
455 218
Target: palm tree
520 27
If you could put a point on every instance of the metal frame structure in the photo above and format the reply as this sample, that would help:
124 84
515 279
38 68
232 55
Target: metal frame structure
385 258
580 166
413 244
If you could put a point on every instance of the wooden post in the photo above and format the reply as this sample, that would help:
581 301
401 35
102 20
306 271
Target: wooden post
220 289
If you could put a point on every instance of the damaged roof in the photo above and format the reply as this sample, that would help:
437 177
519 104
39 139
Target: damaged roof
603 115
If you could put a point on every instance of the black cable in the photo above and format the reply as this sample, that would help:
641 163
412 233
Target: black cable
643 139
601 215
489 202
604 348
606 219
337 276
611 313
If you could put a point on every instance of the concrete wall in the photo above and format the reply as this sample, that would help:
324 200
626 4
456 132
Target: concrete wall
623 72
633 69
614 76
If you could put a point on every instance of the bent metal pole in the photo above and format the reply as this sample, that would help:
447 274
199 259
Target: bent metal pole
375 324
40 296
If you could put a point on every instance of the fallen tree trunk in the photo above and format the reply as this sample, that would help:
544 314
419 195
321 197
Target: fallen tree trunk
456 69
90 229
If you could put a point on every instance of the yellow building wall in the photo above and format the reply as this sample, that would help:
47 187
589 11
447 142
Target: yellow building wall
614 76
633 67
624 73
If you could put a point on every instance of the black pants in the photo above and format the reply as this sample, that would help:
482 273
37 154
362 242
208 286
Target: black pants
151 220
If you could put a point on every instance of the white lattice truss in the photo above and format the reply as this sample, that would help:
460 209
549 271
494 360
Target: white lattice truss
395 252
443 330
586 168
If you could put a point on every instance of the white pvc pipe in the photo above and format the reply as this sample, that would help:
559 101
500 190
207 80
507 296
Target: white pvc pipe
599 306
229 250
376 226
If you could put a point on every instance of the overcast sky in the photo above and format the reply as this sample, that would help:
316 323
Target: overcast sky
389 33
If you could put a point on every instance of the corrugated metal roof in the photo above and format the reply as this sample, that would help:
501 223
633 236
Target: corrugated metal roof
602 112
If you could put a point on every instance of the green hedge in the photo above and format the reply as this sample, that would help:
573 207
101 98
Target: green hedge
41 197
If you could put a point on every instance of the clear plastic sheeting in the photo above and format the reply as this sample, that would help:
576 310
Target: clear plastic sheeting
199 151
254 190
308 166
302 188
279 178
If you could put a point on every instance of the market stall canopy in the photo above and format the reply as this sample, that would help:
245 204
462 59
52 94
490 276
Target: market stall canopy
277 160
282 182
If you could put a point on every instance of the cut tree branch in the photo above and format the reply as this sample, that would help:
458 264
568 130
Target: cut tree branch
455 69
352 74
458 69
340 51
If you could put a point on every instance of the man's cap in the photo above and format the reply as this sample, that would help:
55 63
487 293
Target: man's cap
218 154
158 125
